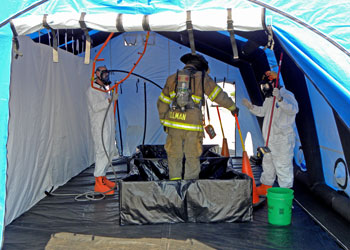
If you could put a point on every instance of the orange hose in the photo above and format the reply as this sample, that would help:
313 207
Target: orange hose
96 59
99 52
115 87
141 55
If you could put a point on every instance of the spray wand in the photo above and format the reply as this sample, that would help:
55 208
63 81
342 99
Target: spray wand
266 149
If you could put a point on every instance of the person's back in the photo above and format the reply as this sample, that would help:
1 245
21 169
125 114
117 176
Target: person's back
182 118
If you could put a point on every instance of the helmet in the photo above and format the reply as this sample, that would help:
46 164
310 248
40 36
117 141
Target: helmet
197 60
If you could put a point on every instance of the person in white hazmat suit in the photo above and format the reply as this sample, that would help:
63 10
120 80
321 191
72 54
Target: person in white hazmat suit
279 162
98 102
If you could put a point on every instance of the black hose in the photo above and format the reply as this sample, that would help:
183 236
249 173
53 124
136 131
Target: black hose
144 127
102 129
120 130
145 95
127 72
326 194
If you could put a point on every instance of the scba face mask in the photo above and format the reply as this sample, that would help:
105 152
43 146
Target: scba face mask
266 86
104 77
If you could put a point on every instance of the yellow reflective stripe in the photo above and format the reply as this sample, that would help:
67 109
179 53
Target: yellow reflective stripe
196 99
162 121
233 107
164 98
172 94
214 93
175 179
183 126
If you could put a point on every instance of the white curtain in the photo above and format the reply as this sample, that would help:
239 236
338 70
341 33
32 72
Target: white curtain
49 133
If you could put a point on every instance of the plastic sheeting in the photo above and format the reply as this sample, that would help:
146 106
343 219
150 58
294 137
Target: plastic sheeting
49 131
218 196
154 202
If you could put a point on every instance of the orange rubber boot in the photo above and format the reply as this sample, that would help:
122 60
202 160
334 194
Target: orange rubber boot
101 186
110 184
262 189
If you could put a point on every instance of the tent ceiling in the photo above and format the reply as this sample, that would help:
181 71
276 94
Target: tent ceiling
218 45
214 44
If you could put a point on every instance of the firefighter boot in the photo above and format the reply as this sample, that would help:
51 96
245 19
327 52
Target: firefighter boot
101 186
262 189
110 184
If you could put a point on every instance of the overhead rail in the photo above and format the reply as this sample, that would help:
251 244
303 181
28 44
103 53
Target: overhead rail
230 19
244 19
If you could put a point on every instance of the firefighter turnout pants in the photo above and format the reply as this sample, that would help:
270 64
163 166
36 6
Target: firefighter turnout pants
179 143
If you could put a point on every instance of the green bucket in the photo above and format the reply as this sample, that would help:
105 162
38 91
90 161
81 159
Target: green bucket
279 201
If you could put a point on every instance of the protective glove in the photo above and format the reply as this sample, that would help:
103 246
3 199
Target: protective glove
235 112
277 94
115 96
247 103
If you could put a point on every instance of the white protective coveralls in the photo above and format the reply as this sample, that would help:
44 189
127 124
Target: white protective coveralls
97 106
282 138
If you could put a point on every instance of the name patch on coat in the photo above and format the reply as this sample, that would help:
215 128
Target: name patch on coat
177 116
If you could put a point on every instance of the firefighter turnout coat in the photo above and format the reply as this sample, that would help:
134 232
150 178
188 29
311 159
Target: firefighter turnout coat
190 119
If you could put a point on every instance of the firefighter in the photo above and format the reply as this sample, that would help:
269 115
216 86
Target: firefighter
179 106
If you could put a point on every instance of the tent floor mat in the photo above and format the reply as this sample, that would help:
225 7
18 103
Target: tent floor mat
60 222
327 218
82 242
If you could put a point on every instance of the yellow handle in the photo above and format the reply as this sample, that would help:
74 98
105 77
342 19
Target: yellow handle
222 129
239 131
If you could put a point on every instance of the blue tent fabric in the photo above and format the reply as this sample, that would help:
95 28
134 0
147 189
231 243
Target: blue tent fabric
336 92
329 17
5 52
325 66
7 11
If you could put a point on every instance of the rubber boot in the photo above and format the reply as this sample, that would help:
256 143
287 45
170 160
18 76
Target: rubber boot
110 184
262 189
101 186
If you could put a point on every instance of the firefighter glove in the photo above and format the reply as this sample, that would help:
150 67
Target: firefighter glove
235 112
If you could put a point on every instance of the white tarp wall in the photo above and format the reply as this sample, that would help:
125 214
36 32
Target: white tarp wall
49 135
161 59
